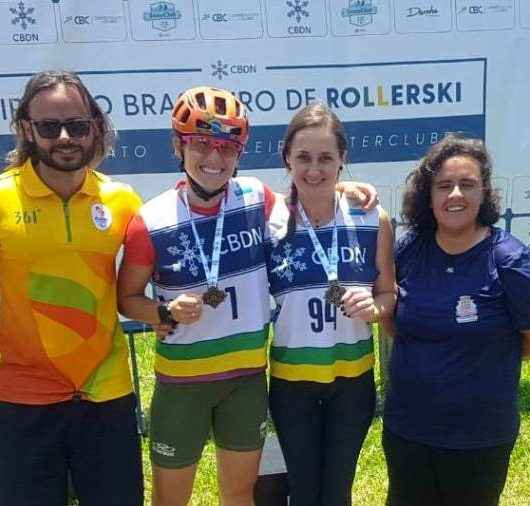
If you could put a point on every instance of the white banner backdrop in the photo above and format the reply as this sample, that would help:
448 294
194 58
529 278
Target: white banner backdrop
399 73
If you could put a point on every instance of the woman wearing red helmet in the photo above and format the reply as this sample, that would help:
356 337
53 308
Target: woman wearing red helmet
201 244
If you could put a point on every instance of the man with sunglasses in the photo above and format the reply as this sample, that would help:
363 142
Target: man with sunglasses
66 402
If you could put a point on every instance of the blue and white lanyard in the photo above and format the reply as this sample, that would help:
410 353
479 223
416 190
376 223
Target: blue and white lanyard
330 265
212 274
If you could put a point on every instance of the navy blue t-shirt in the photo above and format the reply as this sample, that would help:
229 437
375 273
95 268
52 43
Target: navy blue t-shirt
456 359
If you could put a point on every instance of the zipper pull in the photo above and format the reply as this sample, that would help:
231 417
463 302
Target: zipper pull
77 396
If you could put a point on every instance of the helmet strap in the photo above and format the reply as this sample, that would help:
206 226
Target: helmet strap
201 192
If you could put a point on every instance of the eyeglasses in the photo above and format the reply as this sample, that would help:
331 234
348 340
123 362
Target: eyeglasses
52 128
464 186
205 144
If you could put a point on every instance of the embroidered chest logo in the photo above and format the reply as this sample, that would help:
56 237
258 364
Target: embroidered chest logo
101 216
239 190
187 255
466 310
288 262
28 217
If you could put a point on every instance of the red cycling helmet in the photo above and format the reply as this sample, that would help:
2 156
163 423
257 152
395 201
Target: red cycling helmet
211 111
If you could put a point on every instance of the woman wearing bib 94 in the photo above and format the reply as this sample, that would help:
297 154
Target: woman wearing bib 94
202 245
331 273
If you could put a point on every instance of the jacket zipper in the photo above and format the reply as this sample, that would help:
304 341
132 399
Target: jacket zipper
66 211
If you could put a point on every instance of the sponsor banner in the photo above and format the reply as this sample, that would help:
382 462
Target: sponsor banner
388 119
485 15
27 22
296 18
163 20
83 21
398 73
237 19
423 16
150 151
368 92
354 17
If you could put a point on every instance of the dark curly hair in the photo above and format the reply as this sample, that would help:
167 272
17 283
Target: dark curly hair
24 149
416 209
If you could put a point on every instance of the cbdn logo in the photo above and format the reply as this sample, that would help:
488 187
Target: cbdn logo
221 69
297 11
23 17
360 12
163 16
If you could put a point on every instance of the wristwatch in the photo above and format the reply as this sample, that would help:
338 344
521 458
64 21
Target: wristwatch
165 315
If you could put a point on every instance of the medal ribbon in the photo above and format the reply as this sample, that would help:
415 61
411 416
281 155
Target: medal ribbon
212 274
330 265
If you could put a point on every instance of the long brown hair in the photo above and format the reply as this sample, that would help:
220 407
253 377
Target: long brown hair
25 148
311 116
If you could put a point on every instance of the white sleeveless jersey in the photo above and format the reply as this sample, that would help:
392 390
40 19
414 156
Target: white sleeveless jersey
313 341
230 339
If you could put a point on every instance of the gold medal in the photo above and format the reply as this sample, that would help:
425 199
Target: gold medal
213 296
334 293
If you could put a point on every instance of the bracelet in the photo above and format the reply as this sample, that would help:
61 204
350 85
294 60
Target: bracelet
164 313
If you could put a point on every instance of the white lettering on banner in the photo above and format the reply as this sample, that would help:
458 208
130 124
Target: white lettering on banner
264 146
347 255
419 138
124 151
241 240
393 140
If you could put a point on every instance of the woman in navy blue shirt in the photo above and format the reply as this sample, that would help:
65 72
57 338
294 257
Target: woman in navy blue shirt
462 325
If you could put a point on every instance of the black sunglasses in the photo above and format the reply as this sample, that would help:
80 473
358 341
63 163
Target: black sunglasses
51 128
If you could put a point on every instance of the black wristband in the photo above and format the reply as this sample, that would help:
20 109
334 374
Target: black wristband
165 314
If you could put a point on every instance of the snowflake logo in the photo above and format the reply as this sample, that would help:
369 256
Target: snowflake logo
219 69
287 263
298 9
22 15
188 254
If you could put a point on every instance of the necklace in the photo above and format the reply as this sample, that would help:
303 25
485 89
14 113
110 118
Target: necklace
320 219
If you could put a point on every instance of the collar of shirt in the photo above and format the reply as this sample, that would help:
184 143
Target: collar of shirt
35 187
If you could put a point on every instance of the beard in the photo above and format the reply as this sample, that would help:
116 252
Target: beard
66 162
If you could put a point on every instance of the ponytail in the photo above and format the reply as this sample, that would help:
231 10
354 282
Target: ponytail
292 205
